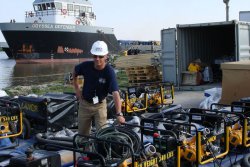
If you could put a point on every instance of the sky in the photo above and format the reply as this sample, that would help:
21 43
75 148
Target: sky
141 19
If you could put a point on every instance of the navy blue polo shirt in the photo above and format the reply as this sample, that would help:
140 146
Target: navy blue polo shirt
96 82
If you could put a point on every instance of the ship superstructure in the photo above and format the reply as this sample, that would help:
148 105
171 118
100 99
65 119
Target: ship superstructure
56 31
78 12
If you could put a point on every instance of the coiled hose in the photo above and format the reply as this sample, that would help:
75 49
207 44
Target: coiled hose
119 134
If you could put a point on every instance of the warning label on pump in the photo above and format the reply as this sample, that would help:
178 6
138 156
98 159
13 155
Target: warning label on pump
155 160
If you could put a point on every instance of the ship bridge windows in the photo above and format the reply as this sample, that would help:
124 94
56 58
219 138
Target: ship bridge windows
58 5
76 8
89 9
53 5
70 7
35 7
48 5
38 7
44 6
82 9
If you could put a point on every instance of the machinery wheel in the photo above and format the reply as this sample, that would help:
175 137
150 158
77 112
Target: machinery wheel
246 160
26 129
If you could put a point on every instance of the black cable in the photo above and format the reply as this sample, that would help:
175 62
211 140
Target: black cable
235 158
230 160
210 149
215 159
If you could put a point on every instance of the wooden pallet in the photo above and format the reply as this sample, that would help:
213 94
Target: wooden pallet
140 73
136 60
146 77
140 69
130 72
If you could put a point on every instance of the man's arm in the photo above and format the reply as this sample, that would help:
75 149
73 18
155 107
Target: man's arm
76 86
118 106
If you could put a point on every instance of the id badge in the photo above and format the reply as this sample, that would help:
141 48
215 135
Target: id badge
95 100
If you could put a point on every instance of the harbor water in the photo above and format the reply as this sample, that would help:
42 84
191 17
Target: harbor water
13 74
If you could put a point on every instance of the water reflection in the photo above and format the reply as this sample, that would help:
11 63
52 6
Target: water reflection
13 74
27 74
6 70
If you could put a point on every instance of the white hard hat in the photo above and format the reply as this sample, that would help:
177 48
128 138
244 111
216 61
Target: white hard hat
99 48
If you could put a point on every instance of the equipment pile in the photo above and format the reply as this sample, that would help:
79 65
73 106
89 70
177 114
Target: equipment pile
156 132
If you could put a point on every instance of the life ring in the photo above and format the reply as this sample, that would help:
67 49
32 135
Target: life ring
64 11
78 22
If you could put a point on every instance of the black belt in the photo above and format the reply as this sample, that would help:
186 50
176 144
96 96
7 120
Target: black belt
91 101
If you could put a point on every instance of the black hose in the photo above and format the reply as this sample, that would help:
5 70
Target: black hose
69 139
246 160
41 139
168 115
134 137
126 136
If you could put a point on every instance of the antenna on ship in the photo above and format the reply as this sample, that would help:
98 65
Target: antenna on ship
227 9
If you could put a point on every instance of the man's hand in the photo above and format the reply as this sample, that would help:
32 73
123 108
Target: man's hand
76 86
79 95
120 119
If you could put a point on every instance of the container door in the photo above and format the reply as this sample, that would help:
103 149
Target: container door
243 43
168 57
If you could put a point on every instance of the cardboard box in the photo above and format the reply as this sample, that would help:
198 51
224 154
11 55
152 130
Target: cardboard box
191 78
235 81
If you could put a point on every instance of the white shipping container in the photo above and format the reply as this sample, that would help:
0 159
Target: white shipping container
212 43
244 16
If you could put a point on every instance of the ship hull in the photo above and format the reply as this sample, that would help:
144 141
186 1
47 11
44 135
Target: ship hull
44 43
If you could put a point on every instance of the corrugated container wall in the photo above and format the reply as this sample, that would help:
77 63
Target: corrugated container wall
212 43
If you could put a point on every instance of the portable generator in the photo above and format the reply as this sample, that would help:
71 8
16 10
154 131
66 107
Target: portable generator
10 119
50 112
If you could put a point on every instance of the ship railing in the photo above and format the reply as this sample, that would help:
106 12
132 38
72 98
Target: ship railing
30 14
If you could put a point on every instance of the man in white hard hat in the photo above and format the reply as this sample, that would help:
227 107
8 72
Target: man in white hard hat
99 80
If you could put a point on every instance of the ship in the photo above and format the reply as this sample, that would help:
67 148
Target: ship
56 31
